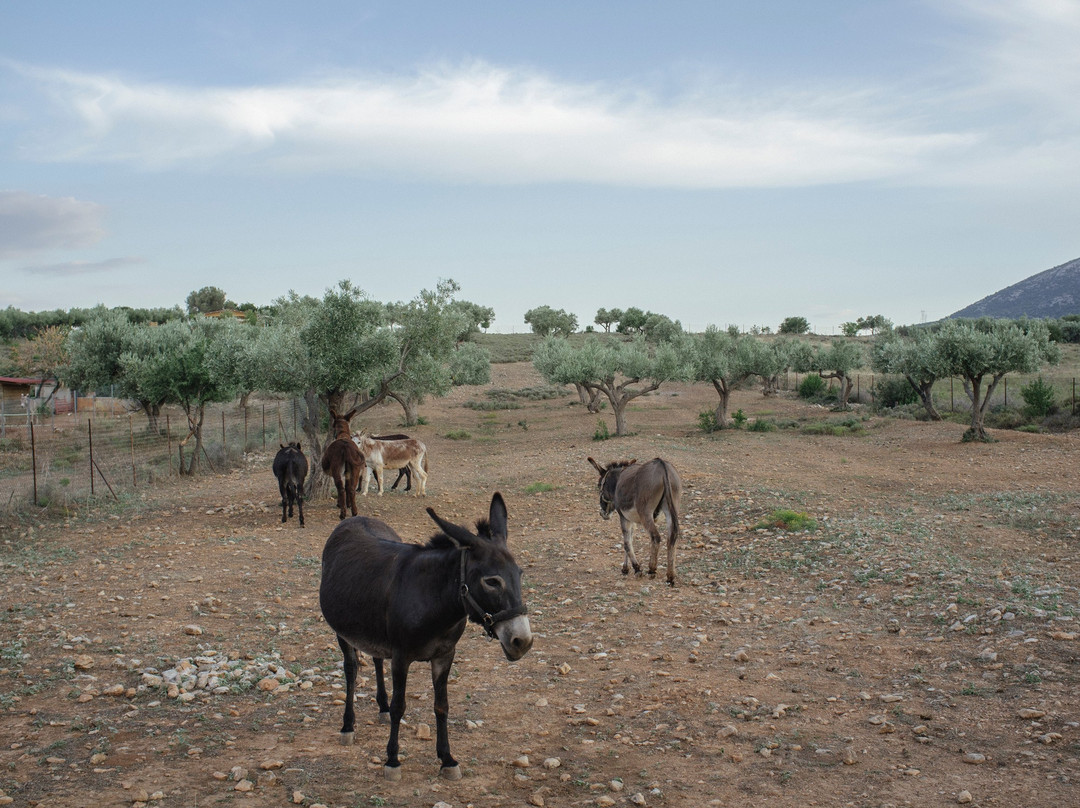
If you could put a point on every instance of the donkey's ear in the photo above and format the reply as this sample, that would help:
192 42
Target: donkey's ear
282 445
497 518
333 413
298 447
456 533
349 415
597 466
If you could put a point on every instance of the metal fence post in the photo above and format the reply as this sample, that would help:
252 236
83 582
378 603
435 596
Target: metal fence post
33 461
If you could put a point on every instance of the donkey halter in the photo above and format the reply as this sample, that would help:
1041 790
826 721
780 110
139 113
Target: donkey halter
476 611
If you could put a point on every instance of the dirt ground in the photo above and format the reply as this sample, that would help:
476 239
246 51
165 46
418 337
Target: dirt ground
919 647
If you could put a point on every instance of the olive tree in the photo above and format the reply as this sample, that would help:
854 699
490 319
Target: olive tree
985 352
917 359
836 361
794 325
323 350
175 363
546 321
621 371
608 318
43 355
207 299
724 361
426 342
93 361
769 359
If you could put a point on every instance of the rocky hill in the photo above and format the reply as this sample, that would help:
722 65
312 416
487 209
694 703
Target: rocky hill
1053 293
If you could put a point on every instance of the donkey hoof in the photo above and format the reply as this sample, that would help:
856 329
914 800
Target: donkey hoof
450 772
384 718
346 738
392 773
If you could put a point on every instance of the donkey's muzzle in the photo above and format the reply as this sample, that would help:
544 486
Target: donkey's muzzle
515 637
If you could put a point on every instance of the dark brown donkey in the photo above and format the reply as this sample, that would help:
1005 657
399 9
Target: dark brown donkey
291 468
639 493
343 461
410 602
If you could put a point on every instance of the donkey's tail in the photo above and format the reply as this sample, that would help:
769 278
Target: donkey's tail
672 509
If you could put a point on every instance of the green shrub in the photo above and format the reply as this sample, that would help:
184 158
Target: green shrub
539 488
893 391
812 387
739 418
601 432
762 425
1039 398
707 421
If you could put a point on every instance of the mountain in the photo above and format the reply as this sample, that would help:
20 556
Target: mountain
1053 293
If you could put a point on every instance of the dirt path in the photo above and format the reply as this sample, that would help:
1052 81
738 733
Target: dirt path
918 648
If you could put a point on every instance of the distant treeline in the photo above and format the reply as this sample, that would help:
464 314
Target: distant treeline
17 324
1062 330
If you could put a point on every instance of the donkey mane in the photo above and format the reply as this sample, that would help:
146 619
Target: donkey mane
621 464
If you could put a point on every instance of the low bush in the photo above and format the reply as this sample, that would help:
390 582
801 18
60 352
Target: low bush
601 432
812 386
707 421
1038 398
893 391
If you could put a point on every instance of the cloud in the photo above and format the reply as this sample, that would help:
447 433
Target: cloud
80 268
481 123
31 223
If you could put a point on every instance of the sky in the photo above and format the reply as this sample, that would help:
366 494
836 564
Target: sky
720 162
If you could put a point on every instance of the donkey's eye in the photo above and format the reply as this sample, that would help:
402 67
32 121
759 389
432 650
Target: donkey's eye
494 583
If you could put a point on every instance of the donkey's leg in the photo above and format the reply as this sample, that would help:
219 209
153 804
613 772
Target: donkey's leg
654 536
350 492
440 672
351 663
417 468
284 497
340 485
671 537
399 672
380 692
628 546
300 502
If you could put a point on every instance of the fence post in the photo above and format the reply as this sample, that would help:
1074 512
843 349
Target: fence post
245 429
90 434
168 436
33 461
1006 381
131 438
264 425
952 404
224 448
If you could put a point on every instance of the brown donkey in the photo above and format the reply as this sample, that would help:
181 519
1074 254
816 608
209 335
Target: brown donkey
343 461
639 493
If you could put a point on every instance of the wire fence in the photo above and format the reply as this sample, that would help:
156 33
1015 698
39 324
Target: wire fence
61 459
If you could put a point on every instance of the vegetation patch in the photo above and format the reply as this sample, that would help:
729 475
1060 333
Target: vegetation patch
539 488
846 426
786 519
